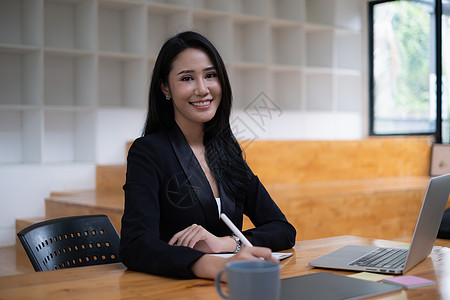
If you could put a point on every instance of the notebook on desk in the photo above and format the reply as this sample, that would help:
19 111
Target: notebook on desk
277 255
396 260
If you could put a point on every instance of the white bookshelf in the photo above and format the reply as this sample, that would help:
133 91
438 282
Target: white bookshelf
63 60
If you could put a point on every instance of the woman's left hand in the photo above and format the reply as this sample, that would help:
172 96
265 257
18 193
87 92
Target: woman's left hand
197 237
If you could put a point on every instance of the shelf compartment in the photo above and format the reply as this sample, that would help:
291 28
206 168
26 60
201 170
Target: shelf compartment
69 136
21 132
247 84
251 7
216 5
348 14
20 74
250 40
162 24
20 22
286 45
319 48
68 24
122 82
184 3
340 13
348 93
217 30
319 92
320 11
348 50
69 80
121 27
293 10
287 86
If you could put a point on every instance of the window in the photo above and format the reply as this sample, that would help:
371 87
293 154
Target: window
445 71
409 63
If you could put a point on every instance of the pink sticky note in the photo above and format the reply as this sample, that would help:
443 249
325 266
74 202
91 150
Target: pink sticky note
409 281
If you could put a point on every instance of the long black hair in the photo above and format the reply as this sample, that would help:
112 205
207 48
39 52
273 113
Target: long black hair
223 153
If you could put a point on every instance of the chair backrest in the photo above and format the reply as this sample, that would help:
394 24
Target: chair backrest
71 242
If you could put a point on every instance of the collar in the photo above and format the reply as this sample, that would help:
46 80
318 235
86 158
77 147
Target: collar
197 179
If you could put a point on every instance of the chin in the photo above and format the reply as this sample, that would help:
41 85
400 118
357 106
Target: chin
206 118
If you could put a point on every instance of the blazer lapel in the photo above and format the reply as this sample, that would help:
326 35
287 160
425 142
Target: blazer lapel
194 174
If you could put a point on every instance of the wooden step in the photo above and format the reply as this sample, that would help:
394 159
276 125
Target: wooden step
14 261
22 263
23 223
111 178
300 162
71 203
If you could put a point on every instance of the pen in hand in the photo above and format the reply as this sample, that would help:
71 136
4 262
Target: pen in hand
235 230
238 233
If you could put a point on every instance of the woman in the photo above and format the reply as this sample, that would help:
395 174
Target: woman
188 168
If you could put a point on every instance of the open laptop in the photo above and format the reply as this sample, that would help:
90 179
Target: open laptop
396 260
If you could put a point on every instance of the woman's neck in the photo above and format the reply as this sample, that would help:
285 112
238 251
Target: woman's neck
193 133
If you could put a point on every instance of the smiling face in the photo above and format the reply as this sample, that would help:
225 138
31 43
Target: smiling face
194 87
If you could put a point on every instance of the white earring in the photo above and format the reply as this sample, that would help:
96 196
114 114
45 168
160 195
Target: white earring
167 97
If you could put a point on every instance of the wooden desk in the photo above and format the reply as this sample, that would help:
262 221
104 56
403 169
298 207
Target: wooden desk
115 282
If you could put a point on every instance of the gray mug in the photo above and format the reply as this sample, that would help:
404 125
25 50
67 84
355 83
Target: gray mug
251 280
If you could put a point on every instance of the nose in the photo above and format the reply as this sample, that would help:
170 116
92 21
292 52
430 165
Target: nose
201 88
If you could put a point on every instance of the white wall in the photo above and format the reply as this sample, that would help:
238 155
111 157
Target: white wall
115 128
289 125
23 189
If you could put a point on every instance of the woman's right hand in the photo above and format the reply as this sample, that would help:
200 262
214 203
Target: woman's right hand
254 253
208 266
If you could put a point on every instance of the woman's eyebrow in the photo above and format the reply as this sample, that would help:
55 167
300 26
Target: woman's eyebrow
185 72
192 71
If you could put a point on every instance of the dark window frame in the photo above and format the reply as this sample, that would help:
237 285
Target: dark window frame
438 67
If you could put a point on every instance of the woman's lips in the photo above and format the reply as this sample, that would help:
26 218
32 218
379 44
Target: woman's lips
201 104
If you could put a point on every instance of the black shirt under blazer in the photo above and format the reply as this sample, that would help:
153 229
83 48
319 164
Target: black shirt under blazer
166 191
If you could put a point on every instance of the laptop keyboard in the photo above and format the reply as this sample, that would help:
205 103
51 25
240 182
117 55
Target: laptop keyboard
388 258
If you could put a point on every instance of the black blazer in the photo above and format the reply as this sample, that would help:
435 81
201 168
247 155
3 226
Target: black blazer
166 191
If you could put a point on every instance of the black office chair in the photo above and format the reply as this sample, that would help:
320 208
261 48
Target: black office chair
444 229
71 242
